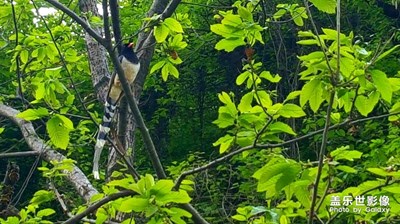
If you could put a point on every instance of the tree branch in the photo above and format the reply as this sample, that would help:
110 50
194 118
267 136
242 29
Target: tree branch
217 161
19 154
321 157
98 204
77 178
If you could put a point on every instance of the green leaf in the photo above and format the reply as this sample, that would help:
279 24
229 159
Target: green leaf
134 204
346 66
267 75
307 42
173 70
265 99
66 122
392 189
33 114
124 183
395 83
291 110
226 31
378 171
347 100
40 91
386 53
245 102
342 153
42 196
224 98
274 109
224 120
162 187
165 73
281 127
245 14
297 16
157 66
45 212
316 55
180 197
242 78
173 25
312 92
161 32
181 212
58 132
279 13
346 169
24 55
275 177
395 109
224 143
328 6
229 44
239 217
1 130
365 105
232 20
293 95
301 192
382 84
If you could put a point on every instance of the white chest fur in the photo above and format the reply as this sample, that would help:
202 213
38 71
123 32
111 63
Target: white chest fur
130 70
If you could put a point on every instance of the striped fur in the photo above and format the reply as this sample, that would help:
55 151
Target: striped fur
130 64
102 135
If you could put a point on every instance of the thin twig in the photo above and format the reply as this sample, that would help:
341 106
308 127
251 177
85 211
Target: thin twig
19 154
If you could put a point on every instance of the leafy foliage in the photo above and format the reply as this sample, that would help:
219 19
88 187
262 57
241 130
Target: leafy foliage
256 83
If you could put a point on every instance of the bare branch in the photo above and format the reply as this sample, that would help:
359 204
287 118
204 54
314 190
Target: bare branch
19 154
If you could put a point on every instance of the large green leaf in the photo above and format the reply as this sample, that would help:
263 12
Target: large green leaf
365 105
281 127
274 177
346 66
291 110
58 129
328 6
312 92
245 102
382 84
226 31
33 114
45 212
162 187
174 196
134 204
229 44
173 24
342 153
161 32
